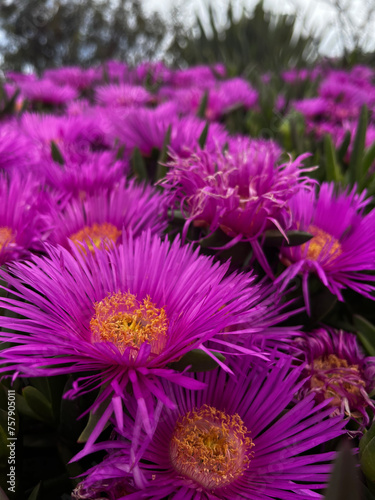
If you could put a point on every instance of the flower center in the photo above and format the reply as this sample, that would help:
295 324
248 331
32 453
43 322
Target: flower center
105 234
322 245
210 447
122 319
6 236
333 377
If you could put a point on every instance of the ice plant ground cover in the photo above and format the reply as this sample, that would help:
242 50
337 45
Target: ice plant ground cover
187 297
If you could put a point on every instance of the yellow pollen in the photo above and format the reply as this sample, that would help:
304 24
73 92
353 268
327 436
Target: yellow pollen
330 375
127 322
105 234
322 245
6 236
210 447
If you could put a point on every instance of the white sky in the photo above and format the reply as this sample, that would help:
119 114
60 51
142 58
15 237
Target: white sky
313 15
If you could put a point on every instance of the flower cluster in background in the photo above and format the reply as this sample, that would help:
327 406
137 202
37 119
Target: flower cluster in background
187 301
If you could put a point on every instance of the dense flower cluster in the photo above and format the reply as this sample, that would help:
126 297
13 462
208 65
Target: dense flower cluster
153 263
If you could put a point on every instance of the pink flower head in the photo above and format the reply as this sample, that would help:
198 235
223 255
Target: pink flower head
232 440
339 371
123 314
146 129
24 216
103 216
47 92
81 177
243 191
222 97
342 250
16 149
75 136
75 77
122 95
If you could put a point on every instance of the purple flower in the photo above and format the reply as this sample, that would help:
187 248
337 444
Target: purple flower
47 92
231 440
75 136
16 150
124 314
100 218
244 191
197 76
122 95
24 216
342 250
79 177
147 128
222 97
73 76
339 371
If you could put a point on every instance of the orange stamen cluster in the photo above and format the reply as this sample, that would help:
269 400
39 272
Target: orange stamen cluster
123 320
105 234
334 377
6 236
210 447
322 245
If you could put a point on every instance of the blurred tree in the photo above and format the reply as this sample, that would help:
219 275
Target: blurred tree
256 42
52 33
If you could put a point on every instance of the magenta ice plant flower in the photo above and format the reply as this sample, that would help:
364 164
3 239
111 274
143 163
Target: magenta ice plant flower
100 218
243 191
122 95
25 220
74 76
79 177
75 136
16 149
338 371
147 128
232 440
124 314
47 92
342 251
223 97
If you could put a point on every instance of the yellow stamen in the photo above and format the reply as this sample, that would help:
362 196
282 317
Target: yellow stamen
322 245
6 236
332 383
210 447
105 234
122 319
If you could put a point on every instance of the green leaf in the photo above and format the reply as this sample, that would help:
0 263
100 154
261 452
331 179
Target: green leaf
120 152
138 165
94 418
35 493
366 333
203 137
367 453
24 409
162 170
344 482
342 150
56 154
199 361
356 164
215 240
9 105
203 105
321 303
274 238
332 166
367 161
39 404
